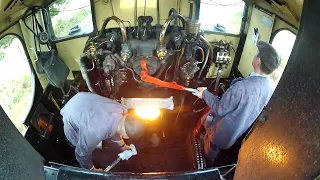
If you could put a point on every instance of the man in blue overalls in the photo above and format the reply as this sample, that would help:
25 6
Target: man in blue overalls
230 116
89 119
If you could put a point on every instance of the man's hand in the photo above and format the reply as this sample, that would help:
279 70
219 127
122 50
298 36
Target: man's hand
125 148
199 94
96 169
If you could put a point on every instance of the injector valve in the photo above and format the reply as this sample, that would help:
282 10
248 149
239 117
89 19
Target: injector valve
126 51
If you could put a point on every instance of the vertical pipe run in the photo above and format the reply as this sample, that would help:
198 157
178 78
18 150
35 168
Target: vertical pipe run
202 52
209 52
84 72
136 17
205 62
158 11
218 79
158 26
173 11
145 6
191 9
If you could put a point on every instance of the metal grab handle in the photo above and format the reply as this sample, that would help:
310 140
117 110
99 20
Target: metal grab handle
35 54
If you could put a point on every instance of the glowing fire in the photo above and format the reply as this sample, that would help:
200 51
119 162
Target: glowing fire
148 113
276 154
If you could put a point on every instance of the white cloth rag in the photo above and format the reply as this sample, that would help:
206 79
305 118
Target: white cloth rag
125 155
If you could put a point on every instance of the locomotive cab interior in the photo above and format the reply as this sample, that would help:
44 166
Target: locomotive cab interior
130 50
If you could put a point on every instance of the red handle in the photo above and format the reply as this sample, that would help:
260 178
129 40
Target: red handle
147 78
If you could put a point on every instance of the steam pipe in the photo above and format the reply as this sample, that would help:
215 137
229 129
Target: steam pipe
158 25
164 65
173 11
161 48
133 75
180 57
167 23
119 59
191 9
101 33
162 69
158 11
136 17
205 62
84 72
121 25
178 63
202 53
209 52
126 67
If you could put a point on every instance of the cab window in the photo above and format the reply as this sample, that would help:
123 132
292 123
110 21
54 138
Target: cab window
70 18
223 16
283 42
16 81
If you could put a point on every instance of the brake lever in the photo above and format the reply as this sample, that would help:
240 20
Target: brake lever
172 85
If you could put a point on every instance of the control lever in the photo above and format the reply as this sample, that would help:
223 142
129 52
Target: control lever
172 85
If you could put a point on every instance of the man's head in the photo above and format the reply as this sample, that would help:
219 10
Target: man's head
133 127
267 59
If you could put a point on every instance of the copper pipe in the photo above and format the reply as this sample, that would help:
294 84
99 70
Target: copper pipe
209 45
174 11
202 53
167 23
178 63
121 25
209 52
180 57
101 33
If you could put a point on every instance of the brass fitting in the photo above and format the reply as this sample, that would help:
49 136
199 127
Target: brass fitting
161 51
126 51
187 81
92 51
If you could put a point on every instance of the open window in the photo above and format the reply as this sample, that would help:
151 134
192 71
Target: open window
16 81
224 16
70 18
283 41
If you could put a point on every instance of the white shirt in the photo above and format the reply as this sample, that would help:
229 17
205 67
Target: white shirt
256 74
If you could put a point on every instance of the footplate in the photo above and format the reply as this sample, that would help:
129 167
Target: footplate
197 152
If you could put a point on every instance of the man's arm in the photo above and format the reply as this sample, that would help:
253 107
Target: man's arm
117 139
227 103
